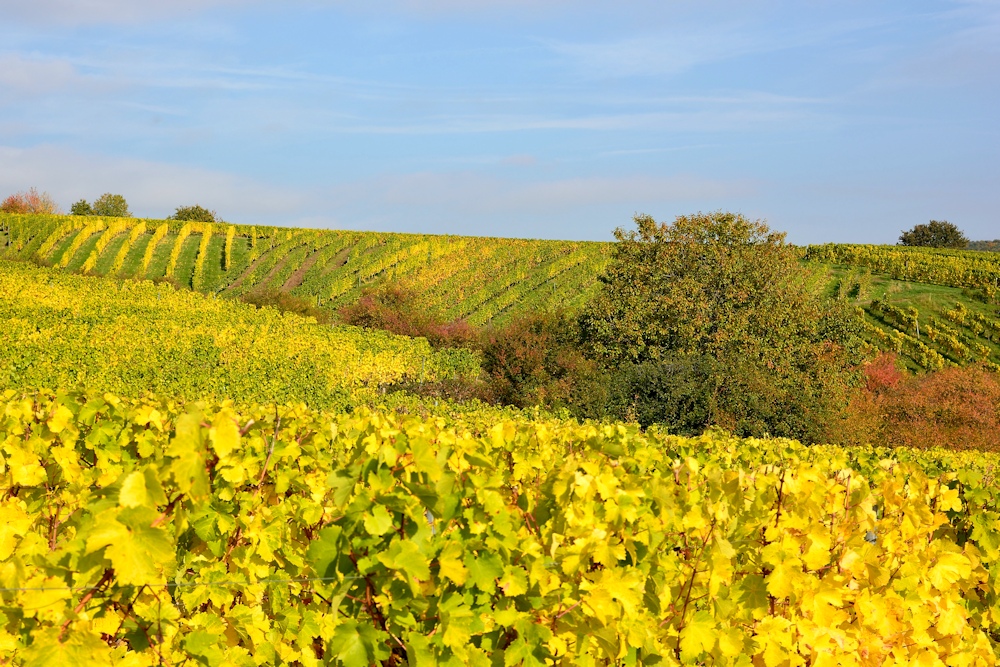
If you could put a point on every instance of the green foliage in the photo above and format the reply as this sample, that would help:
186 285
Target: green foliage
81 207
145 532
722 287
194 213
935 234
675 392
111 206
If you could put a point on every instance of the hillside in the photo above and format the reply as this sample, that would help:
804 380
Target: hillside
951 295
476 278
129 337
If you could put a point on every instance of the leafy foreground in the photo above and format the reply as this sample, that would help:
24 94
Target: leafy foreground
140 532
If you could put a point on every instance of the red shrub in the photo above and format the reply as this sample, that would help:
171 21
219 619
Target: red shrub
958 408
396 310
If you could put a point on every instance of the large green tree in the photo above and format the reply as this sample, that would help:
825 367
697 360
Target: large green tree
110 205
194 213
935 234
719 291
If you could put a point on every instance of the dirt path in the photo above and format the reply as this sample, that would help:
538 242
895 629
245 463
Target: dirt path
338 261
250 269
299 274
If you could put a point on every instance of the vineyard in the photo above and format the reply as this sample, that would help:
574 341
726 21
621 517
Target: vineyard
934 308
128 337
142 532
479 279
192 480
951 318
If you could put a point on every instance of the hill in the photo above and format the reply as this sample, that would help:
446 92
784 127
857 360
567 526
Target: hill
475 278
949 295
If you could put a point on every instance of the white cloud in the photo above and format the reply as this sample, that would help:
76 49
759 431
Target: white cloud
667 53
77 12
30 76
152 188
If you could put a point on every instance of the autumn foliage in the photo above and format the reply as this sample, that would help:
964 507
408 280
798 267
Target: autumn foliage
29 201
957 408
395 309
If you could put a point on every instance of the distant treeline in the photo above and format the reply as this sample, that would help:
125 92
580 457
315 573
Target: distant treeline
988 246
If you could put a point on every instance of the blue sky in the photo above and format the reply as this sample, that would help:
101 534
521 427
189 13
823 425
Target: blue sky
834 121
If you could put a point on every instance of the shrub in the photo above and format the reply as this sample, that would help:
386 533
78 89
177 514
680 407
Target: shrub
396 309
539 359
29 202
957 408
676 392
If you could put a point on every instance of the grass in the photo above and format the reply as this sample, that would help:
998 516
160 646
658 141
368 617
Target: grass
161 256
83 252
133 260
106 259
930 301
184 270
60 248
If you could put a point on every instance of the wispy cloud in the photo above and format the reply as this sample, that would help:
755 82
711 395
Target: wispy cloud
22 75
86 12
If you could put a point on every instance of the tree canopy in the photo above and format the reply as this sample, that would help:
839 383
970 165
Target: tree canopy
721 292
935 234
194 213
108 205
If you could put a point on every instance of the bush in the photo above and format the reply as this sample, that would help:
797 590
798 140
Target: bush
935 234
194 214
539 359
396 309
956 408
676 392
29 202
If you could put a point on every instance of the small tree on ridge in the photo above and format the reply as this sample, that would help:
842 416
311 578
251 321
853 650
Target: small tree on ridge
935 234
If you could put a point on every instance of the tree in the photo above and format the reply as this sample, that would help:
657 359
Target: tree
29 202
729 295
112 206
194 213
81 208
935 234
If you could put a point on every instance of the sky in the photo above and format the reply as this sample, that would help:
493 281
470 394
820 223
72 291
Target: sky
835 121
